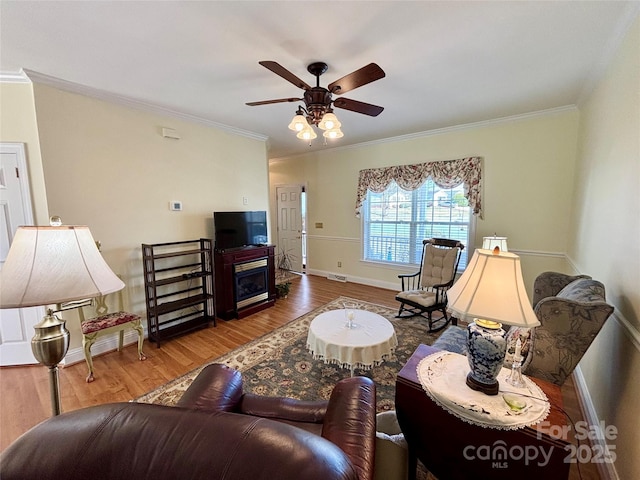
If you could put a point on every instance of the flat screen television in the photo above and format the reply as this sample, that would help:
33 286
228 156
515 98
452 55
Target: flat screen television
239 229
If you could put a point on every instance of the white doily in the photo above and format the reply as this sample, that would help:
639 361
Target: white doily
443 376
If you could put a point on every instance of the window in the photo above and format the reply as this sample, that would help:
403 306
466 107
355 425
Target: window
396 221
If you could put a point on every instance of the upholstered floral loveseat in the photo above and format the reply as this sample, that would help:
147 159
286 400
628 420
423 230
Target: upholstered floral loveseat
571 310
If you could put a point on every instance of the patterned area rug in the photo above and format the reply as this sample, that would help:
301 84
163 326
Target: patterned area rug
278 364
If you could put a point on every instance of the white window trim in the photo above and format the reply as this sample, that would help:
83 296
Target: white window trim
411 267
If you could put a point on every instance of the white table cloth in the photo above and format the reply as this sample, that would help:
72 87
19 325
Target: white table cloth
443 374
367 344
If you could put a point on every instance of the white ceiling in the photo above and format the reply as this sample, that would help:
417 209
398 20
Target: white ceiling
447 63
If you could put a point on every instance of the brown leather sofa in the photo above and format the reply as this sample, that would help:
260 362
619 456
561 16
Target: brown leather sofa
216 432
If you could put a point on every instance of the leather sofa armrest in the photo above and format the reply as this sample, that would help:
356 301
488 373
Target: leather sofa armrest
216 388
281 408
548 284
350 422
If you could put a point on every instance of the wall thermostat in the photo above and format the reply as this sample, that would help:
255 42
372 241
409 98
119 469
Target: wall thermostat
175 206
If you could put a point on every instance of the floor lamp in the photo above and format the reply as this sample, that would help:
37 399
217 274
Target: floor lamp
50 266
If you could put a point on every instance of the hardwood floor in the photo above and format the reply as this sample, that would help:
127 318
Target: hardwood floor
120 376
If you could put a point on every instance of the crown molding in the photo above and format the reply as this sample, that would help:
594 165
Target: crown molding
14 77
129 102
472 125
444 130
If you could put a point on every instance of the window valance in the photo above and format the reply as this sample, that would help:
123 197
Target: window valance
445 174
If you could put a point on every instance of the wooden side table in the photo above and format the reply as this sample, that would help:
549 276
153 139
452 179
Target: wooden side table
453 449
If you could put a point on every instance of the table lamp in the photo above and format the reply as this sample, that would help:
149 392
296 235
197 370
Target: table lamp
491 290
489 243
53 265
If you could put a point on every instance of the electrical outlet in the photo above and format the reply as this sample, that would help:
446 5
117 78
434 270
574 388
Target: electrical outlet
339 264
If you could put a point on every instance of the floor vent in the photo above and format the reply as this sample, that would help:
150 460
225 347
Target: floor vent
337 278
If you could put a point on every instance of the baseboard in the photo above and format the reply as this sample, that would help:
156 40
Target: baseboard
107 343
607 471
351 278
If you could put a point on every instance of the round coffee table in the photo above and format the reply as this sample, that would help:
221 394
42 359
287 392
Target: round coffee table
369 342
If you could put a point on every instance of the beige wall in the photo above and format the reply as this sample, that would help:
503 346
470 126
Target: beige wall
108 167
605 243
18 124
528 184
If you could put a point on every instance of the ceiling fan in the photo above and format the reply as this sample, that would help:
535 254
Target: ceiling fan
318 100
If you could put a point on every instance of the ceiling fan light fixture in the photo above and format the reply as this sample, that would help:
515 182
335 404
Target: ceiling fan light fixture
329 121
307 133
333 133
318 101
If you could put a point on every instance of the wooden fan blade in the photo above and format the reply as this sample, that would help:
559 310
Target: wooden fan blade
367 74
284 73
359 107
279 100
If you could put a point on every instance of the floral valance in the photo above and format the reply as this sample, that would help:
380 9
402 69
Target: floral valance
445 174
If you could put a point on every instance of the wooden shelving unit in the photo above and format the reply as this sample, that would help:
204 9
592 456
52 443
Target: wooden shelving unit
178 279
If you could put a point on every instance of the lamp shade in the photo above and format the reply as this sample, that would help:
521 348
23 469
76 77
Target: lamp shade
298 123
333 133
489 243
307 133
329 122
492 288
48 265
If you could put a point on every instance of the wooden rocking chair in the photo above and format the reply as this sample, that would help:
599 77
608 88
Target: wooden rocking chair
426 290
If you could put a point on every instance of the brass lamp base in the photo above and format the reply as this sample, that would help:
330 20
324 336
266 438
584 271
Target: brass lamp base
49 345
487 389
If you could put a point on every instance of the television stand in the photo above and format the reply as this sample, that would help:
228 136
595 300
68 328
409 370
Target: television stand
245 280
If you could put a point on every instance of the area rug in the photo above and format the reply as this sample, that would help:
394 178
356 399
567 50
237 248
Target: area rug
278 363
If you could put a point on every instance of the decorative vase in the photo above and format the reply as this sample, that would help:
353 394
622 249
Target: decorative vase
486 346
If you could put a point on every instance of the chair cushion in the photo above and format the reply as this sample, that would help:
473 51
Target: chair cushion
438 266
583 290
419 297
96 324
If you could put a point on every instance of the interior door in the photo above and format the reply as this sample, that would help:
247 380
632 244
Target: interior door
16 324
289 206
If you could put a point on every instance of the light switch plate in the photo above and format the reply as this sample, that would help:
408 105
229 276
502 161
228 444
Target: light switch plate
175 206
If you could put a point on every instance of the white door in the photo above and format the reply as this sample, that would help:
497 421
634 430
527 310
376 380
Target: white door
289 206
16 324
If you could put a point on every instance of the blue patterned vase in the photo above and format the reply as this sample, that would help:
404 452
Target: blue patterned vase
486 346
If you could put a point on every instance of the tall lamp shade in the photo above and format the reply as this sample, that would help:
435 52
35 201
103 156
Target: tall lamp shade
491 290
53 265
49 265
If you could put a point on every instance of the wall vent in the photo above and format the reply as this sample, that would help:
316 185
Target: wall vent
338 278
